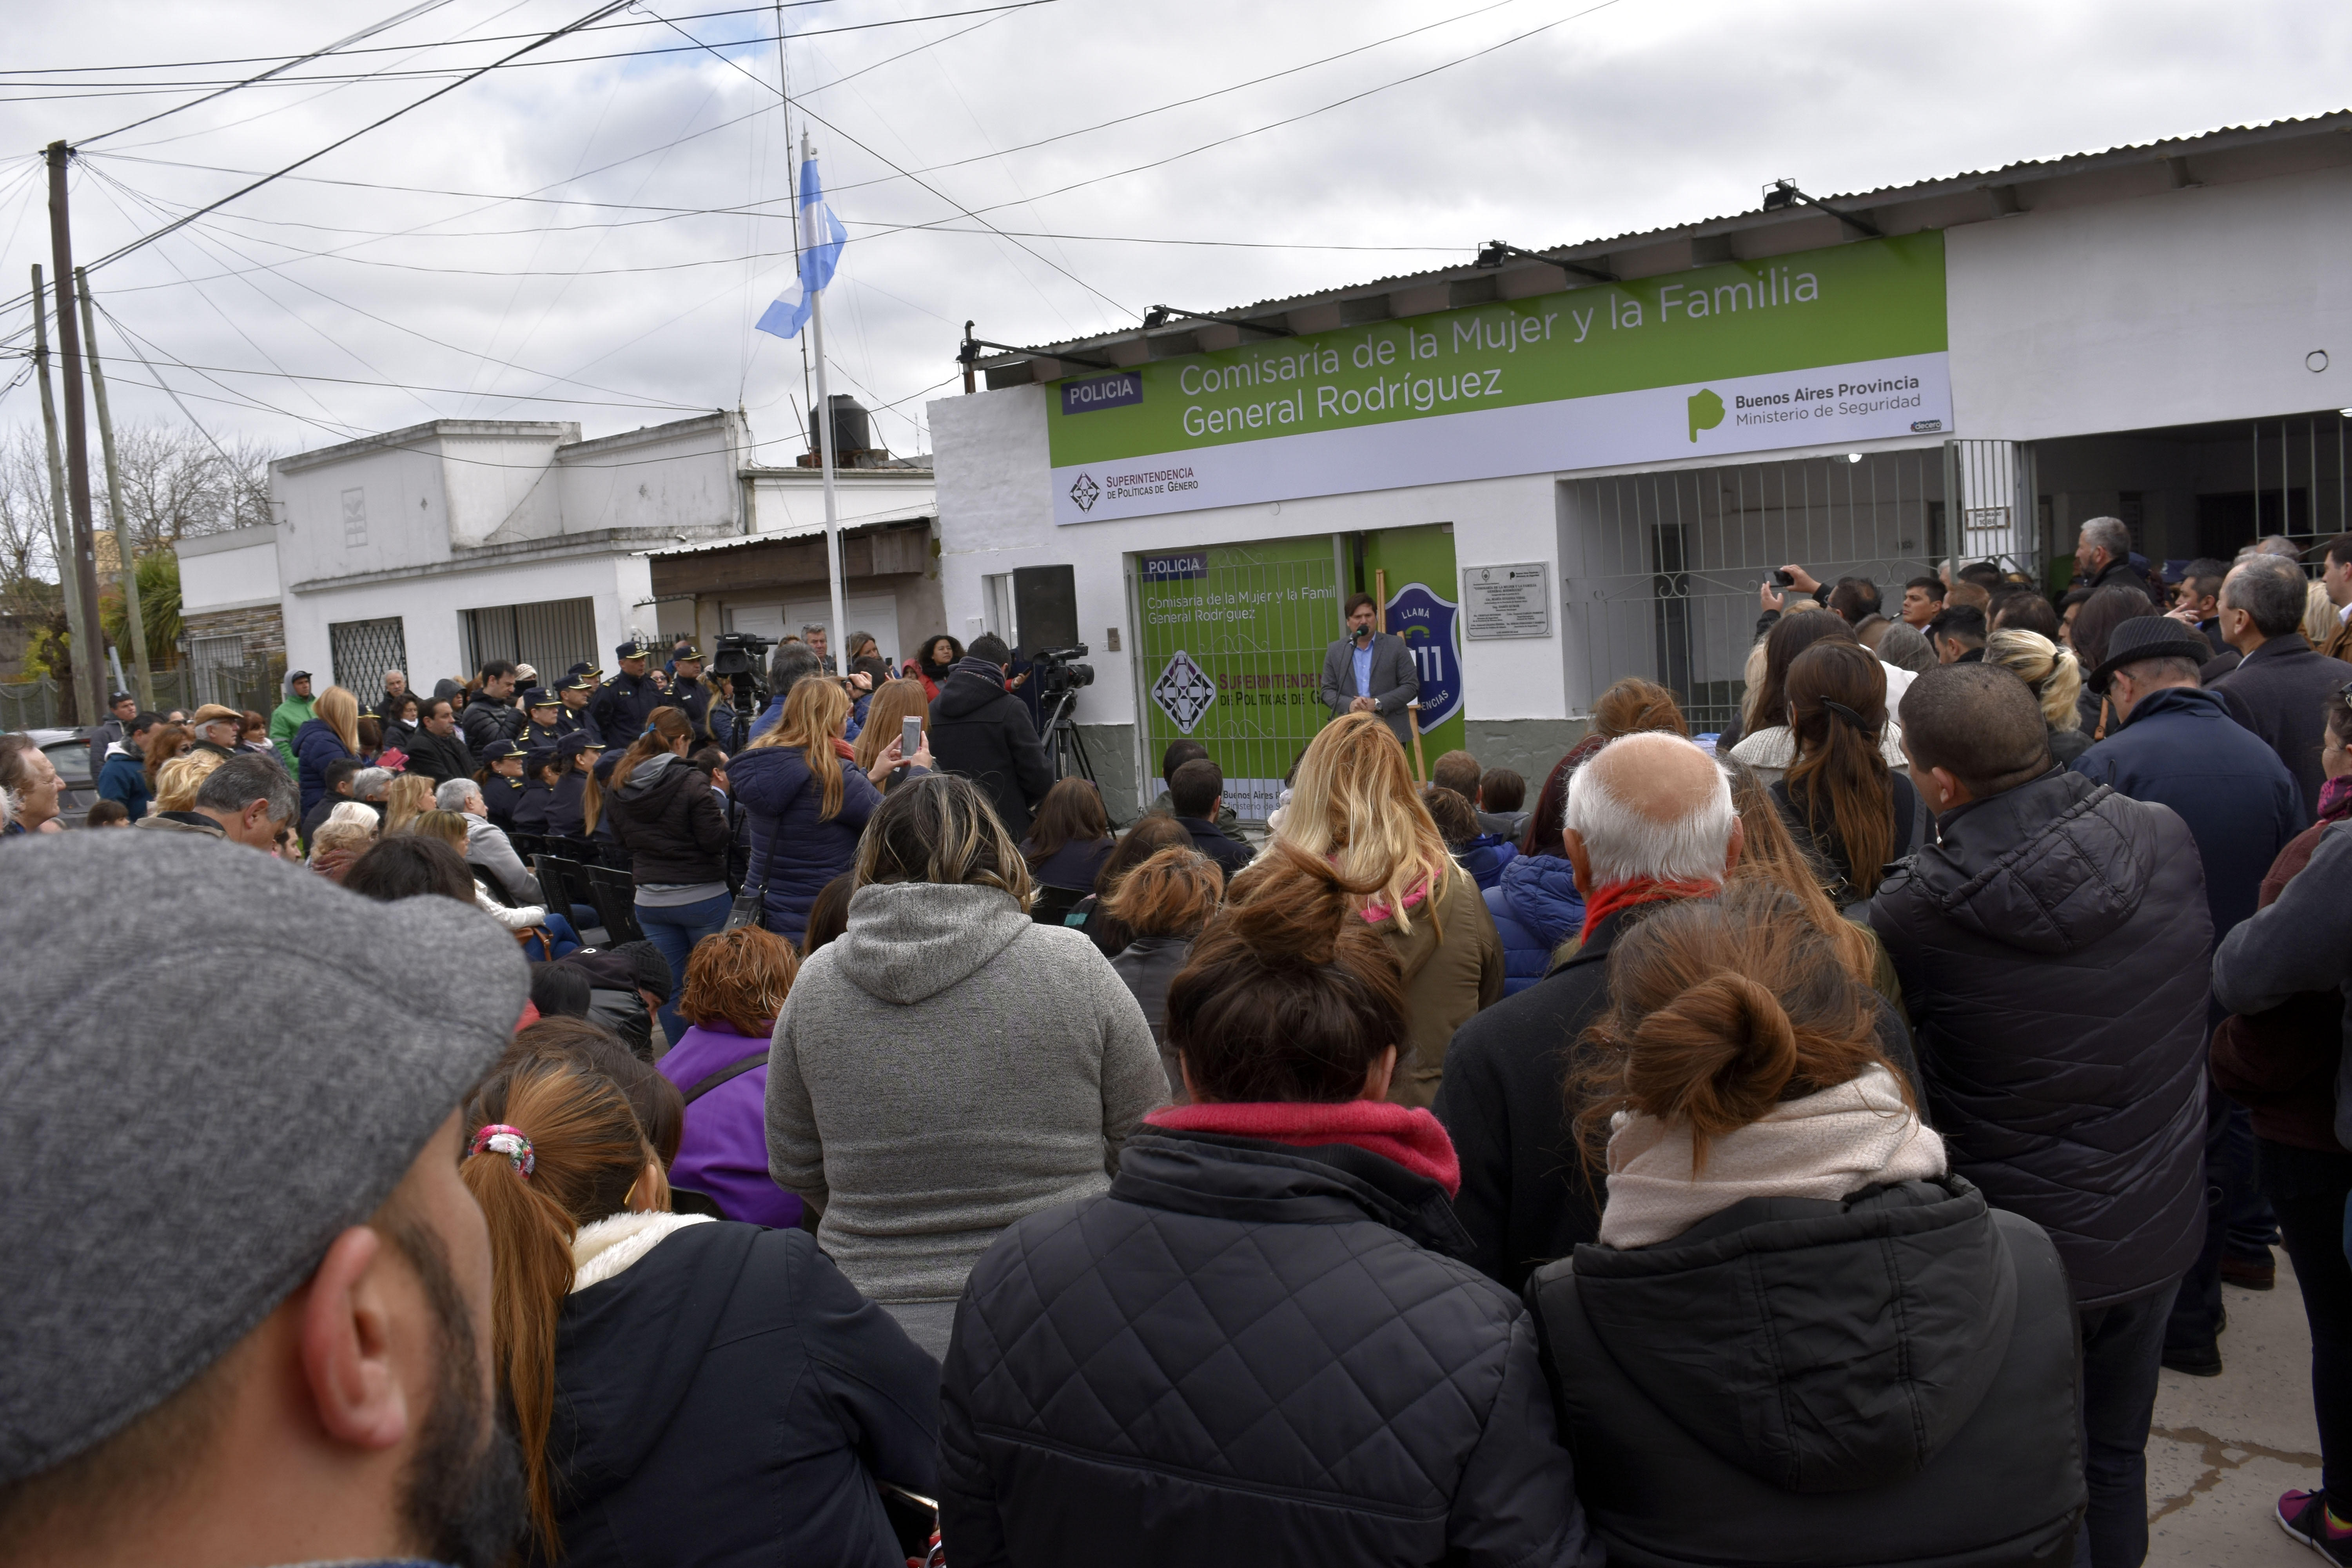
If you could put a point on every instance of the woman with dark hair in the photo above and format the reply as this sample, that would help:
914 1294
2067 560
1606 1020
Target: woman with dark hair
1289 1231
1794 1310
560 991
1769 745
411 866
2092 625
1852 814
931 665
1165 901
778 1399
948 1065
541 772
400 715
1150 835
666 819
829 915
806 798
1069 838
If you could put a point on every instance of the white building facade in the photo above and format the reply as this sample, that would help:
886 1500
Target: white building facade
1557 473
436 548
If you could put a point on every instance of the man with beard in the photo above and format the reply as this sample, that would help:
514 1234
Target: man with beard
248 1300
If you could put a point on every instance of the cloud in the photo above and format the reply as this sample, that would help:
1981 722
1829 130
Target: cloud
1633 117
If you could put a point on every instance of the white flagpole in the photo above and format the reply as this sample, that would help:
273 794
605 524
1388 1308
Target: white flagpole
837 638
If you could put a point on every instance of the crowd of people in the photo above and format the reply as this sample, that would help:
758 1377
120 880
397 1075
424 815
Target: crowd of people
1802 1142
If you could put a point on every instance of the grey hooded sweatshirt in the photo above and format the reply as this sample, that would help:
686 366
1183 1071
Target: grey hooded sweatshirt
945 1068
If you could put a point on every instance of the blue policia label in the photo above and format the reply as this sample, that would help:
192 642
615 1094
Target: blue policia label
1121 390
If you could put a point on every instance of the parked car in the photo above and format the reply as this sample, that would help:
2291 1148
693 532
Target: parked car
68 752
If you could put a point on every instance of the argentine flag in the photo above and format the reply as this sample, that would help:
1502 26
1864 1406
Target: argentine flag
822 237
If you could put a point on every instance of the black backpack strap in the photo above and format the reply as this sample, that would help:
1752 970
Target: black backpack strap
731 1071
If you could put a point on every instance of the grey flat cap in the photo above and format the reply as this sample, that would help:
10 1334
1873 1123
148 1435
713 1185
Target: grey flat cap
174 1171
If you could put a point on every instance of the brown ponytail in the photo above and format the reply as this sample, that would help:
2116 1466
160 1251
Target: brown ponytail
588 1157
1722 1008
1289 995
1839 782
665 728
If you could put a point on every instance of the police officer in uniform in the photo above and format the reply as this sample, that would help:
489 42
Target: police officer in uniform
567 810
503 785
538 793
622 704
689 695
543 725
579 690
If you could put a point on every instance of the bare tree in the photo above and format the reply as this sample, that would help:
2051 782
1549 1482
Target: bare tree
177 485
27 548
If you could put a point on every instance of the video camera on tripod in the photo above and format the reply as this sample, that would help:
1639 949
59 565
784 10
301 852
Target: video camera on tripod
740 659
1057 678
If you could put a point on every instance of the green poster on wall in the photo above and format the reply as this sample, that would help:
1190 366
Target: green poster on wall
1231 640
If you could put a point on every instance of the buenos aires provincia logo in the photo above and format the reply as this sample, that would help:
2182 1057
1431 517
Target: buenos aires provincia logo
1085 492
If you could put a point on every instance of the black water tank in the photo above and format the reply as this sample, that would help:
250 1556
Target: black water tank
853 429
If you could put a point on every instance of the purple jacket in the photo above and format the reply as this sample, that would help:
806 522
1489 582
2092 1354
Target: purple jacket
724 1151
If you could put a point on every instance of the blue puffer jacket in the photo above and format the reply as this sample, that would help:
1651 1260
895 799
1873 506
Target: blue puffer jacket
776 790
1484 856
315 745
124 778
1536 908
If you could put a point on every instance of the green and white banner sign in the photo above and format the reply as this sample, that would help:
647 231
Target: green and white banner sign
1822 346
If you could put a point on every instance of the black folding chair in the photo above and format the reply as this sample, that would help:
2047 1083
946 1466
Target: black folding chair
568 887
614 894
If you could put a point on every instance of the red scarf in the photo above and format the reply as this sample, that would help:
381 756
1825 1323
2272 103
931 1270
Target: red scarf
1413 1139
1607 900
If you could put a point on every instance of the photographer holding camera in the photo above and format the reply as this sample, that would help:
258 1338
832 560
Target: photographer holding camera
984 731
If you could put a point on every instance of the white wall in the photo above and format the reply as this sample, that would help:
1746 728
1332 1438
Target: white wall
995 513
2194 305
235 578
681 474
430 608
793 502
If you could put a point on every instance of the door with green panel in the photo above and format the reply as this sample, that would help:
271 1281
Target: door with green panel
1231 640
1415 565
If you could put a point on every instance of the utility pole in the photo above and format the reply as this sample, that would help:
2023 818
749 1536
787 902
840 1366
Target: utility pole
122 543
88 662
61 531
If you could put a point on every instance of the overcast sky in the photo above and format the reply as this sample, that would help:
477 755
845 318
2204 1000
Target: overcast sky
1541 121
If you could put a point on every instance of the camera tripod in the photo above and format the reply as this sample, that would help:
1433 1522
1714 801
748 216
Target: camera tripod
1064 746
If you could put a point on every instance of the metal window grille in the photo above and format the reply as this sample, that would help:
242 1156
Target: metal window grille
551 637
359 652
1994 482
216 662
1660 571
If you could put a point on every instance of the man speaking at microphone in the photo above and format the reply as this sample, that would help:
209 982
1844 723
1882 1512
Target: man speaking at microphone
1370 672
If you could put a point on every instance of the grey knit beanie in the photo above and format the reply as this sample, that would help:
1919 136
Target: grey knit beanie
200 1086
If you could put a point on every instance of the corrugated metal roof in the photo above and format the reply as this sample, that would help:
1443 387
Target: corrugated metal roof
927 512
2026 173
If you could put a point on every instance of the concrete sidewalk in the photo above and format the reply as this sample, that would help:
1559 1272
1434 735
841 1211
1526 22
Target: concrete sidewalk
2223 1449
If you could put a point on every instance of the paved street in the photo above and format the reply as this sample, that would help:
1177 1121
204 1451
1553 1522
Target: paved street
2224 1447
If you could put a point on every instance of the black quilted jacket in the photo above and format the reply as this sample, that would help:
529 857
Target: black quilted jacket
1245 1352
2053 954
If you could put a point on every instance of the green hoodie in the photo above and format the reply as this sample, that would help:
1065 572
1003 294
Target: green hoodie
291 715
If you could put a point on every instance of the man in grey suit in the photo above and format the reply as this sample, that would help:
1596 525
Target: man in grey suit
1370 672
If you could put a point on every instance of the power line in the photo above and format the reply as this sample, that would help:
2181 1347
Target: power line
934 190
395 49
1205 97
443 73
419 9
123 250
